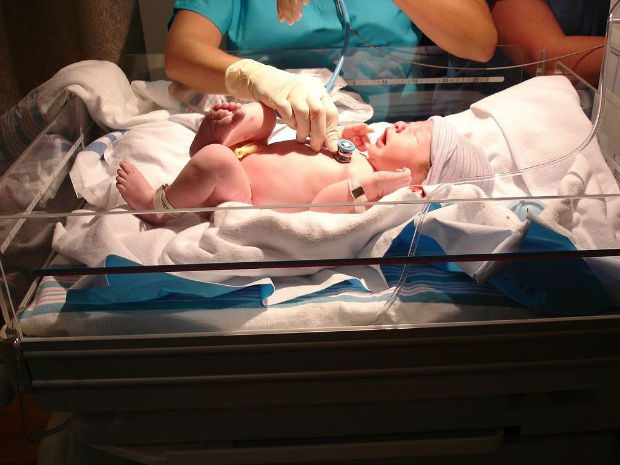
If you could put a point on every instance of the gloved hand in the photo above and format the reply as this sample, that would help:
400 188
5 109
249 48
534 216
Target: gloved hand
290 10
301 100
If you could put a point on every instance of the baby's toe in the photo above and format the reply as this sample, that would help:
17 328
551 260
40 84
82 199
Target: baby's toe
221 113
238 115
126 166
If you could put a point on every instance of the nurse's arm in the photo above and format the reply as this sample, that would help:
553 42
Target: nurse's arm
532 25
193 56
461 27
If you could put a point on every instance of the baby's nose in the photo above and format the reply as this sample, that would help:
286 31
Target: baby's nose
400 126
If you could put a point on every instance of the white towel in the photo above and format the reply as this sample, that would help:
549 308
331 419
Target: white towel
542 121
98 88
239 235
105 91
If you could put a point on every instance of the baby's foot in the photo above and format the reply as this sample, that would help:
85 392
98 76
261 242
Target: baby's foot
136 191
217 125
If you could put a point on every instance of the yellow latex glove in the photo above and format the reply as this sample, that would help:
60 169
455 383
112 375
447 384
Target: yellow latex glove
301 100
290 10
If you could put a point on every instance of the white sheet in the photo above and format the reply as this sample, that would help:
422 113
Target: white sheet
540 123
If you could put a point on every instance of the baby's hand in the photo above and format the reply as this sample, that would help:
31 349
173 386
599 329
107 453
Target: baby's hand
358 134
382 183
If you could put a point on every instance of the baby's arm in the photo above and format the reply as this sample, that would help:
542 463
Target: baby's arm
375 185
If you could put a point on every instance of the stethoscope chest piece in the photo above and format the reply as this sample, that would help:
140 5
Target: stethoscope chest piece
345 151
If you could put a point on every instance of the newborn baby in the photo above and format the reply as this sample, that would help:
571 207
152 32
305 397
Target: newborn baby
230 161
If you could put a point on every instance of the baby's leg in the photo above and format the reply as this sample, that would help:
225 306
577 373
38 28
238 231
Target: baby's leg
212 176
217 126
231 124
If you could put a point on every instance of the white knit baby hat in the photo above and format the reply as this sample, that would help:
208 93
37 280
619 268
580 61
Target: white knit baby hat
454 158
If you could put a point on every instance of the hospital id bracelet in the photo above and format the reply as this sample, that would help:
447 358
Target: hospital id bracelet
345 151
358 194
160 201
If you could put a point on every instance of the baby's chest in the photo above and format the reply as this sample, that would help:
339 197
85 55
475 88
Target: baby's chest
359 166
296 177
318 169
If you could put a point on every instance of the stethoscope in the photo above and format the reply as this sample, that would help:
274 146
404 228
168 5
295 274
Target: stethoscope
346 28
345 147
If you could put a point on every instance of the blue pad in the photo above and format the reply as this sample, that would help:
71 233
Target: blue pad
558 286
554 286
166 288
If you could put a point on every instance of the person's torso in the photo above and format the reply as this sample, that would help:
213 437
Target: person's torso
289 172
249 26
254 25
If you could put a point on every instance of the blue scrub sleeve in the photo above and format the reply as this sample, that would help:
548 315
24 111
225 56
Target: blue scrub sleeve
217 11
581 17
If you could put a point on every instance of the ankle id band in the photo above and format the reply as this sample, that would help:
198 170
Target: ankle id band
160 200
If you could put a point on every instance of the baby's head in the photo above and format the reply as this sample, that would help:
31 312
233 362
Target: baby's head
454 158
433 151
404 145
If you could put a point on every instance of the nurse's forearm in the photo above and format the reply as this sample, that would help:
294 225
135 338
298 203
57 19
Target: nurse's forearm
532 26
461 27
587 65
201 69
193 56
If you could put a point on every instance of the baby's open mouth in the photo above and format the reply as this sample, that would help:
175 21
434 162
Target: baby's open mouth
383 137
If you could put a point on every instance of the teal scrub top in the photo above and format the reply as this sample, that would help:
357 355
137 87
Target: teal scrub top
254 25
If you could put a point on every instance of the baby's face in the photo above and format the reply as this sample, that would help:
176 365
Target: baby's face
404 145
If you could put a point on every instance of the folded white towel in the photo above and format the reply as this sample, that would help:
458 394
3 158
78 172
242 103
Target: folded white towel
104 90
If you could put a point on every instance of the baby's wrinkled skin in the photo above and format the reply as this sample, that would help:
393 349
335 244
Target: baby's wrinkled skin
286 172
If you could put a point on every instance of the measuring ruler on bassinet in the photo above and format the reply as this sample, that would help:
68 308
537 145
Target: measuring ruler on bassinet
441 80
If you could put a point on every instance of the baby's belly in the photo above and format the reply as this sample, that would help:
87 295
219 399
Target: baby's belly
296 178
